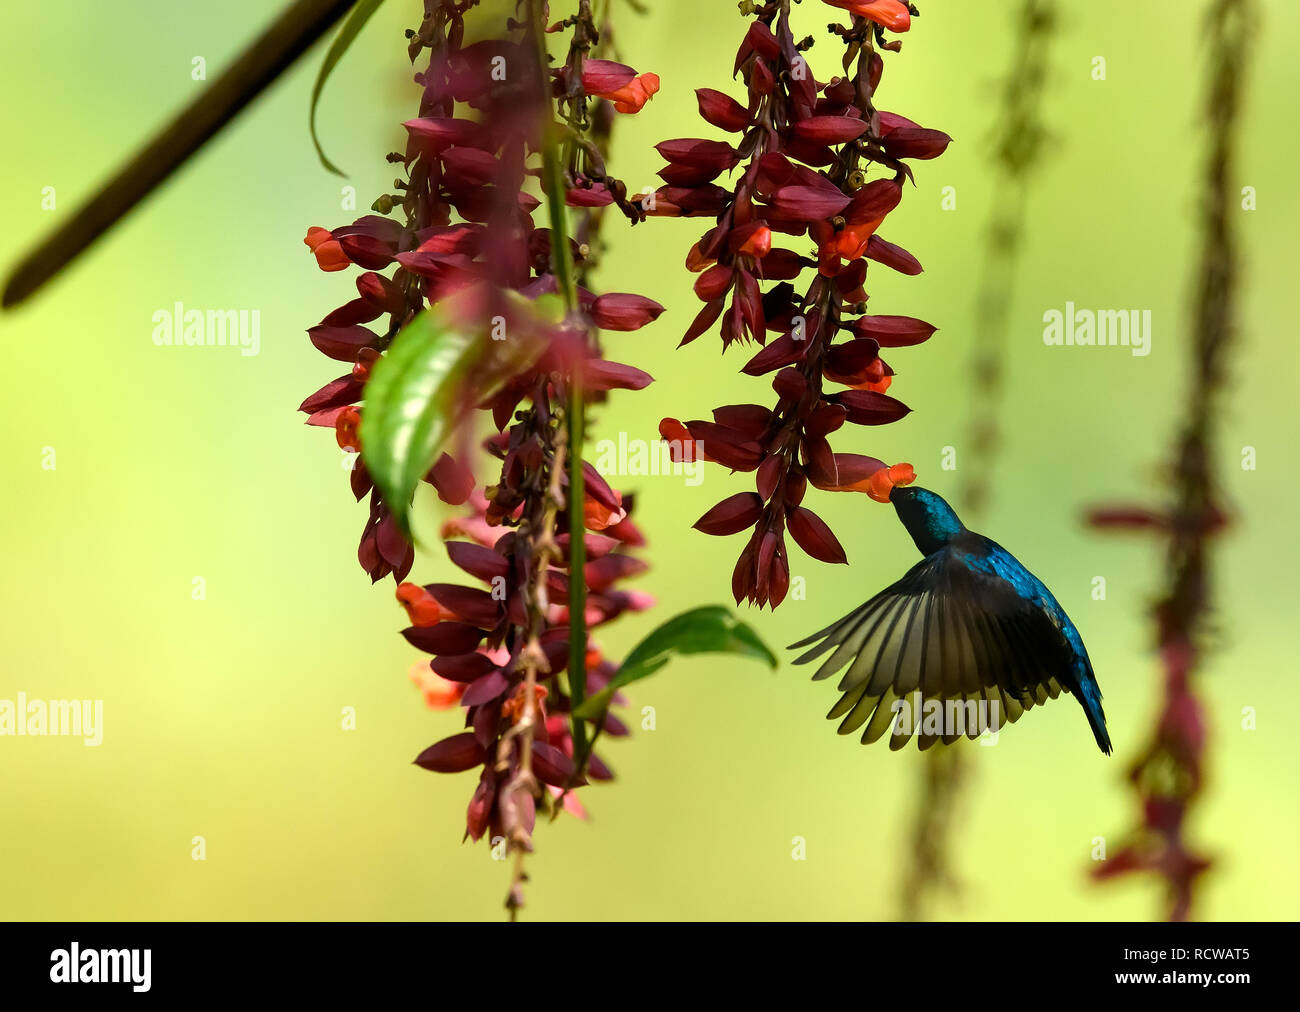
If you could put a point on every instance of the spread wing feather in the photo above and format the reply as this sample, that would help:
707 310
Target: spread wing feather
945 632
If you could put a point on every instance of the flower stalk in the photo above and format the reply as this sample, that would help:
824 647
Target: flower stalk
576 409
1167 776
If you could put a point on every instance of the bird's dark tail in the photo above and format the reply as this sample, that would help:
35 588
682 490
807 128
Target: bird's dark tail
1090 699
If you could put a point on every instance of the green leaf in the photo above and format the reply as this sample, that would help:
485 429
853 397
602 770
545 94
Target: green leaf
712 629
409 400
347 34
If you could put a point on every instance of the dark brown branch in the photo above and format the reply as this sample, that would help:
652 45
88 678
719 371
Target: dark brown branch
253 72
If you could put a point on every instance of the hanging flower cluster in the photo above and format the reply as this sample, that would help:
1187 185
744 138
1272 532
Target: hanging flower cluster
500 646
816 161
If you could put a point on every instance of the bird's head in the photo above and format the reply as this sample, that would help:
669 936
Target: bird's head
931 521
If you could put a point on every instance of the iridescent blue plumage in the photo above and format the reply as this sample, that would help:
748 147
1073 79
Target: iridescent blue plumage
967 626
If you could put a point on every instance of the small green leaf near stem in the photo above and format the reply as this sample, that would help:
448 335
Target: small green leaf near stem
346 36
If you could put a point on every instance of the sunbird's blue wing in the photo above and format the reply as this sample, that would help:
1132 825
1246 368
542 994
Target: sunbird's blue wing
967 625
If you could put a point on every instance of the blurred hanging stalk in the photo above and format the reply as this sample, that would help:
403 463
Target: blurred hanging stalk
1167 776
1017 147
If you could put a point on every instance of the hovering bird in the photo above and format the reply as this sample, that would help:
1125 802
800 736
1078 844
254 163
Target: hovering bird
965 642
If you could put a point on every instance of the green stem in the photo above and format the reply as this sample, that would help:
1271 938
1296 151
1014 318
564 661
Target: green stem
575 414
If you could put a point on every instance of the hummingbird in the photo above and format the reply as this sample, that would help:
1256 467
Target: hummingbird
965 642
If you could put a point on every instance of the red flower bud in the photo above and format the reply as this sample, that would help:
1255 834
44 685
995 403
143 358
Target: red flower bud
830 129
814 537
854 362
342 343
597 374
874 201
624 312
892 256
468 604
893 331
731 516
750 419
721 110
809 203
600 77
335 394
452 481
444 638
485 564
853 472
916 142
554 767
463 668
727 446
782 352
866 407
452 755
716 156
471 166
761 40
714 283
436 133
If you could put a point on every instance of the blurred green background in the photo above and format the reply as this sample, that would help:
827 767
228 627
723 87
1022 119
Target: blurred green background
223 716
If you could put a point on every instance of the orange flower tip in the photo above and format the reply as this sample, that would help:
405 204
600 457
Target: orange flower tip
632 97
879 486
346 429
317 235
330 256
759 244
513 708
891 14
882 483
421 608
439 693
878 386
598 516
902 474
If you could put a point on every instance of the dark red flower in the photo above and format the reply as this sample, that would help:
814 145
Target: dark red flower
811 152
